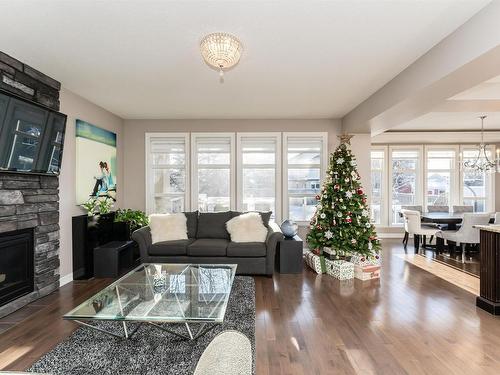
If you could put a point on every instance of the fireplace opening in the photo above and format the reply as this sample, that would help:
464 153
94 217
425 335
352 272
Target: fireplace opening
16 264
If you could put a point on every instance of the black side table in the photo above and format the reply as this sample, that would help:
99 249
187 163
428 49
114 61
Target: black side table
290 255
113 257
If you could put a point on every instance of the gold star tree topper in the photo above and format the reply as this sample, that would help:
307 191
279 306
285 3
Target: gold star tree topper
345 138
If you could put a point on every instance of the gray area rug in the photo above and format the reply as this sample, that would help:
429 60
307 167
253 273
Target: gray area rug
150 350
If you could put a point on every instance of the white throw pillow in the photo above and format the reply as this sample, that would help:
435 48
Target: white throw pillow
247 228
168 227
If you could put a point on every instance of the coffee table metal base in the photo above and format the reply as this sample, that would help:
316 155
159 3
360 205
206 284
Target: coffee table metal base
191 335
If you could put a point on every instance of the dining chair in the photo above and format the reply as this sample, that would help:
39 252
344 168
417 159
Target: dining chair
413 225
438 209
412 208
462 209
467 234
497 218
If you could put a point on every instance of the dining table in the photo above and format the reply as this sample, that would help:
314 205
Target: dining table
450 219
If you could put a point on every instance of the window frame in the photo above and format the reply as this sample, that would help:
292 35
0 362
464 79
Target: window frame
418 179
324 152
150 195
454 176
240 136
384 185
489 196
195 167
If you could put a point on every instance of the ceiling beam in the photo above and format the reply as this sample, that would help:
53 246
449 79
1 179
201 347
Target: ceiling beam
480 106
465 58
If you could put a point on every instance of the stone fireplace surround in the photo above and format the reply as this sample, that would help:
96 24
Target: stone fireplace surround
32 201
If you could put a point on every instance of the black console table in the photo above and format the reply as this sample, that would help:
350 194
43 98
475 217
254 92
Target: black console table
290 255
90 232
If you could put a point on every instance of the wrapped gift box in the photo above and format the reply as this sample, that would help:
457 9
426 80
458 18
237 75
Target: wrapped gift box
364 261
366 272
340 269
315 262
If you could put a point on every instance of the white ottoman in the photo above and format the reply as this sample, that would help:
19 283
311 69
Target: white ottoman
229 353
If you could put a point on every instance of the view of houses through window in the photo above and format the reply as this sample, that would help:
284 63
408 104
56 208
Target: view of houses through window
278 172
425 175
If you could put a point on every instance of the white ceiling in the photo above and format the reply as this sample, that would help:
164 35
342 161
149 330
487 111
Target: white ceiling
301 59
489 90
483 99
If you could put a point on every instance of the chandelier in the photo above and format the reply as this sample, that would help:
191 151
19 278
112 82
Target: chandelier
481 163
221 51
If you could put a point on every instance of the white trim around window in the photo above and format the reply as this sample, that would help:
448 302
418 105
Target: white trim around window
216 139
384 181
393 149
457 180
268 141
452 170
310 138
153 146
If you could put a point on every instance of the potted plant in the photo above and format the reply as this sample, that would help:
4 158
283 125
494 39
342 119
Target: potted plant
128 220
98 206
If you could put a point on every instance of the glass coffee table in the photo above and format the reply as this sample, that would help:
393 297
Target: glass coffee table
162 293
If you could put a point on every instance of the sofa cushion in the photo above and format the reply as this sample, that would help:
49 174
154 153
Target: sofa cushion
214 247
266 216
247 227
168 227
246 249
213 225
192 223
165 248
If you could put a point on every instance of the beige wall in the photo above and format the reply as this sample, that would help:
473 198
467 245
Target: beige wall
360 146
77 107
135 132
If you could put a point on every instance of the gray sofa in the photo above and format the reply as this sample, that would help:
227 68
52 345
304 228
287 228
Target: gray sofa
209 242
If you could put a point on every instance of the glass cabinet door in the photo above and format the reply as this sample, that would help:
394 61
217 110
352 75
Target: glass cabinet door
4 101
53 145
22 143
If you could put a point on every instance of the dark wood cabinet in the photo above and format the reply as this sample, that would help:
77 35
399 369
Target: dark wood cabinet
489 298
90 232
31 136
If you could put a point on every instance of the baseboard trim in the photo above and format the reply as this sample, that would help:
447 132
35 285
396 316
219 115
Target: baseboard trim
65 279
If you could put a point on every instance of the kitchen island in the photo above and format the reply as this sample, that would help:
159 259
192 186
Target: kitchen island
489 298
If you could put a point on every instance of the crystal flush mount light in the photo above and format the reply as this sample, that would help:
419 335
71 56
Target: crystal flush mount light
221 51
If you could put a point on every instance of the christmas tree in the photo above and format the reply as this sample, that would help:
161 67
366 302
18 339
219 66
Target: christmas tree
342 218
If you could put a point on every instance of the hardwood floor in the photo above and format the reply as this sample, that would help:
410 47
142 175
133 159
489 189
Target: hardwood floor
409 322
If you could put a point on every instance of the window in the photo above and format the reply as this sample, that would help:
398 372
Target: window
167 186
278 172
305 160
439 181
440 176
405 167
476 186
377 185
213 172
259 173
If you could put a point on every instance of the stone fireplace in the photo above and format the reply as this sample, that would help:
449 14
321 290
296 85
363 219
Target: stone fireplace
29 208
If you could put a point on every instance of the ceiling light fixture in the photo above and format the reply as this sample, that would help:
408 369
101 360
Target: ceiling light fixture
482 163
221 51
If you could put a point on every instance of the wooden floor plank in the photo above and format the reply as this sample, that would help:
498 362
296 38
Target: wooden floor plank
409 322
